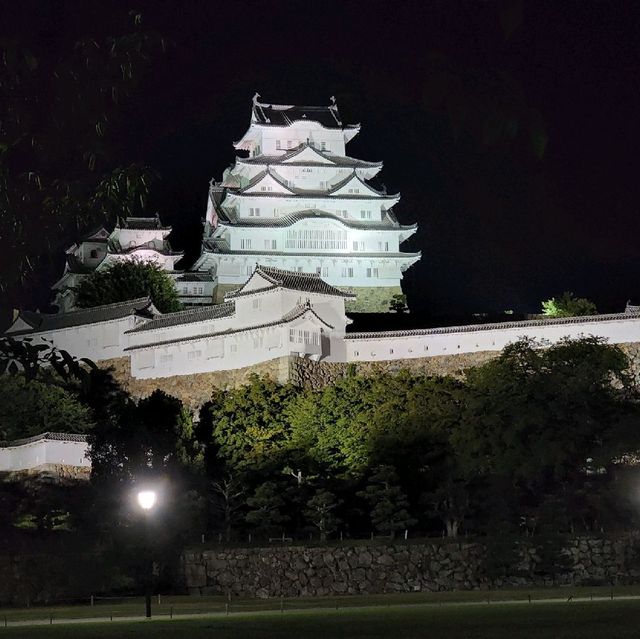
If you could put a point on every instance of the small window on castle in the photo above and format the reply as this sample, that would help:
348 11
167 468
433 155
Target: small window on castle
233 348
278 144
356 353
185 290
257 303
390 351
94 253
200 289
458 346
166 358
191 355
426 348
323 146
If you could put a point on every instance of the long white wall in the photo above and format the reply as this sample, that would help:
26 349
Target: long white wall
42 451
359 347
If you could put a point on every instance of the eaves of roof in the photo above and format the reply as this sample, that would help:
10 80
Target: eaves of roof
286 319
473 328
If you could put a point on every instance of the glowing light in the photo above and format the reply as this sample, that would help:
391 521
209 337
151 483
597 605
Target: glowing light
147 499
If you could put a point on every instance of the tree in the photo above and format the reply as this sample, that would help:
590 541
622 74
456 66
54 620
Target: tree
247 426
537 414
227 498
320 512
153 437
266 508
30 408
388 503
61 110
129 280
44 362
568 305
398 304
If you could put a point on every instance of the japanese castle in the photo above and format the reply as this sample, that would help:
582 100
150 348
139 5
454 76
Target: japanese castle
299 203
296 203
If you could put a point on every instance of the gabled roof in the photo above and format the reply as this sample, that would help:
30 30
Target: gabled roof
267 177
292 158
44 322
306 154
292 280
354 180
333 192
98 234
190 316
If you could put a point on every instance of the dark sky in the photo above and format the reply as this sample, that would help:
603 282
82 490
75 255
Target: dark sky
511 129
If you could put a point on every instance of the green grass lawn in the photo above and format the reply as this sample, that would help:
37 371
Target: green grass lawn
603 619
182 605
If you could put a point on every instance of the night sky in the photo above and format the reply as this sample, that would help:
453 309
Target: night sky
511 130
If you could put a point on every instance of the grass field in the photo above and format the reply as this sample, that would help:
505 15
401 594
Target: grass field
561 620
185 605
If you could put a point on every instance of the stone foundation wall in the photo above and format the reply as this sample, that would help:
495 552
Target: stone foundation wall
194 390
300 571
308 373
370 299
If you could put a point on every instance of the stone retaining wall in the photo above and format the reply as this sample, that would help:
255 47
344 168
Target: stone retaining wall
308 571
195 389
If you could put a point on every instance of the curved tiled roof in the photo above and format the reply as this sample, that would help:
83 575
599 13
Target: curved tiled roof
307 282
143 224
286 114
216 246
337 160
294 190
190 316
292 315
470 328
41 322
306 214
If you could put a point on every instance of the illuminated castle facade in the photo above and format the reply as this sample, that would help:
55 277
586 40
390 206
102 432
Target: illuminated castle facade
298 202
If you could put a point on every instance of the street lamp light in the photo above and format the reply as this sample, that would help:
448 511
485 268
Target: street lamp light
147 499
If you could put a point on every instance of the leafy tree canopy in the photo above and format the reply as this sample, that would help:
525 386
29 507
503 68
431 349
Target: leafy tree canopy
153 437
129 280
29 408
538 413
248 423
568 305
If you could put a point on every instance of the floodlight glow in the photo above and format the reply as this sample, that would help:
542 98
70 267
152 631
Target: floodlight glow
147 499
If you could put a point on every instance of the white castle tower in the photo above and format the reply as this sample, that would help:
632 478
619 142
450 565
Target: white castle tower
299 203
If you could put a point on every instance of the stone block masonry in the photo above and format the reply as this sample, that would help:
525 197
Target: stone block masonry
195 389
376 569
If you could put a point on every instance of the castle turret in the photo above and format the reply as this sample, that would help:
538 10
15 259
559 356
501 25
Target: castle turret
299 203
